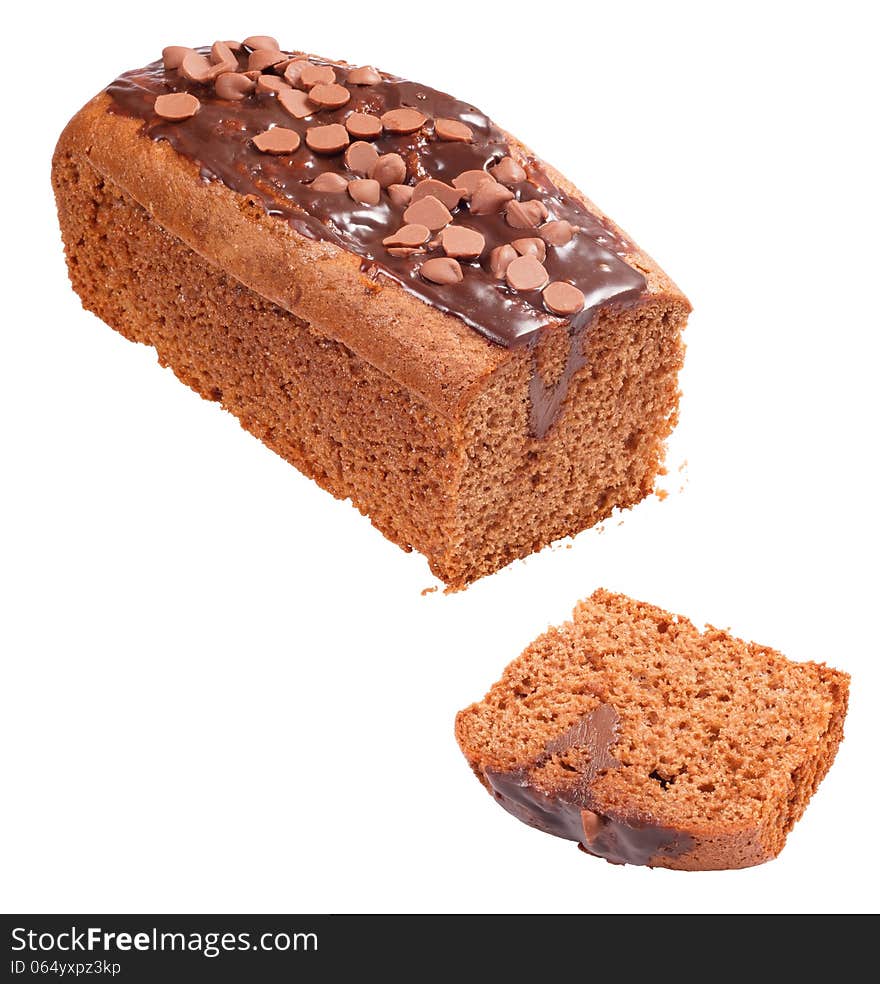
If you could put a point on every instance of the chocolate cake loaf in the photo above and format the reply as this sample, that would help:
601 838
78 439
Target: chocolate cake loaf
649 742
383 286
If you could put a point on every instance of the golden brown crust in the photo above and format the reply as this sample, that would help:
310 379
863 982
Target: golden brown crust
435 355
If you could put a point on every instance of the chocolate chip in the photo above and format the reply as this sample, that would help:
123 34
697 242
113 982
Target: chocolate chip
363 76
462 243
400 194
278 140
557 233
329 139
507 171
526 215
329 181
364 126
197 68
233 85
360 157
365 190
411 235
533 245
526 273
329 95
592 823
389 169
468 181
404 250
173 55
453 130
403 120
260 41
442 270
439 189
296 103
428 211
311 75
293 71
233 45
562 298
264 58
500 259
489 197
176 106
271 83
223 57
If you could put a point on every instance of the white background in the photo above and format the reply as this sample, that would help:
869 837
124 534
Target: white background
224 691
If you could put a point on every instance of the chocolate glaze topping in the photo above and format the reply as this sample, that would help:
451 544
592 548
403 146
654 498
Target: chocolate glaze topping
219 138
573 814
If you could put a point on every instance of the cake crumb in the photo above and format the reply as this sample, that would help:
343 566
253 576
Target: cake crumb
427 591
683 471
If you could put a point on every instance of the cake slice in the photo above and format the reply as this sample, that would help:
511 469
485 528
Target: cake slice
649 742
383 286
